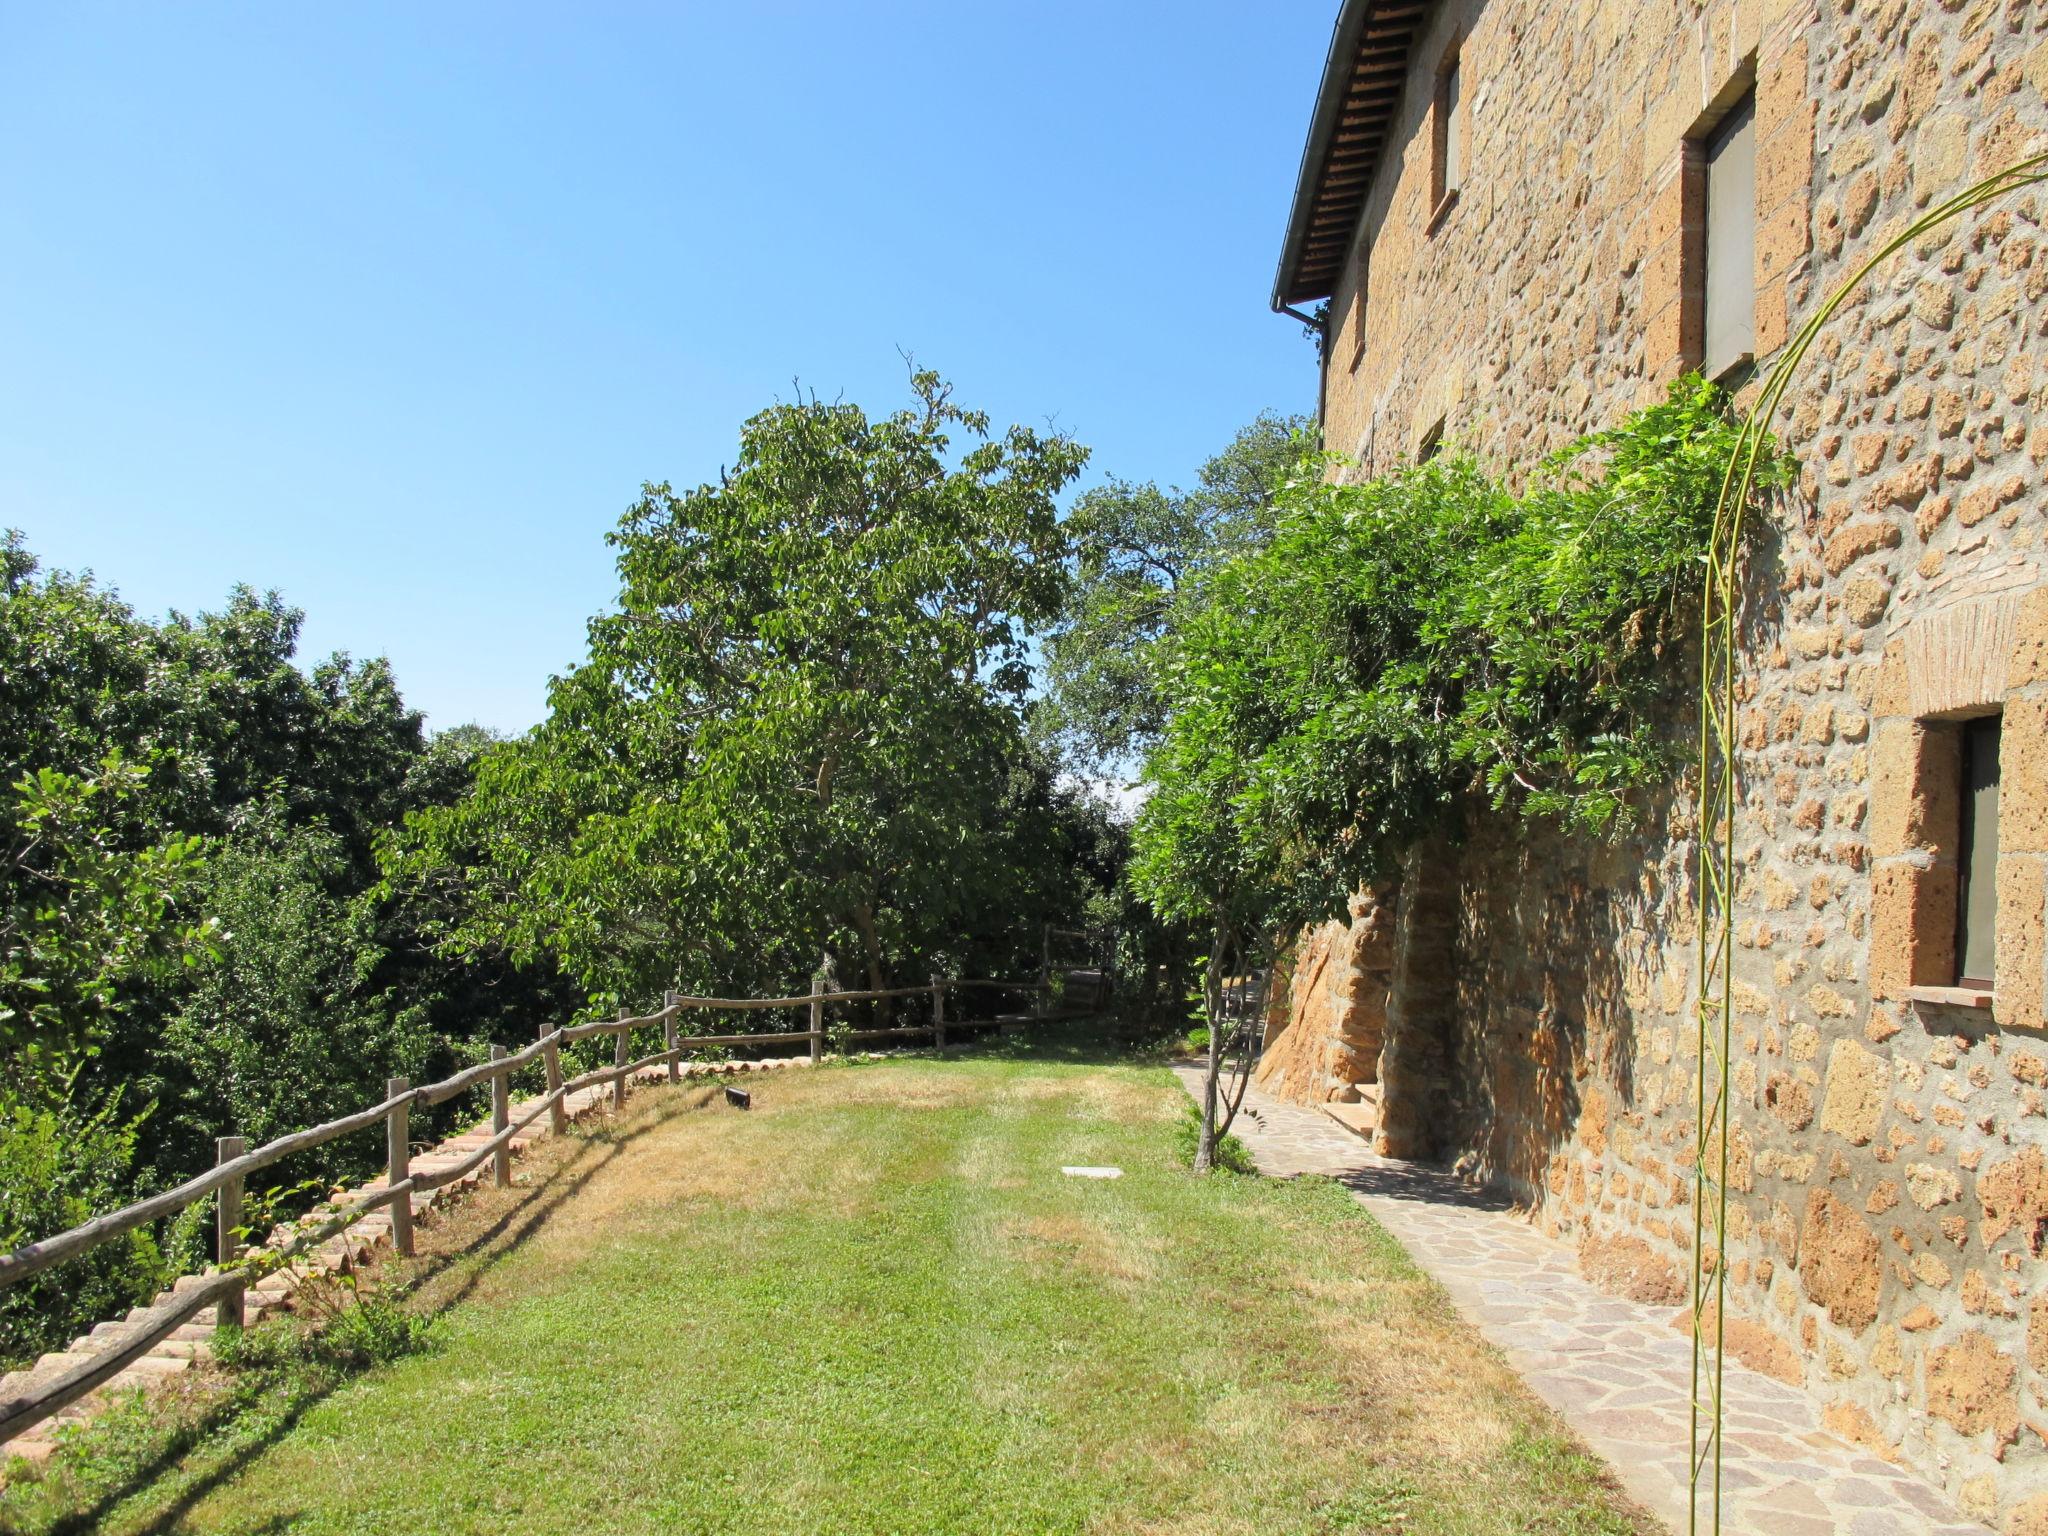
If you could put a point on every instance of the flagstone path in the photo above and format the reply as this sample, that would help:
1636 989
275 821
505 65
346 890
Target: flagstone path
1616 1371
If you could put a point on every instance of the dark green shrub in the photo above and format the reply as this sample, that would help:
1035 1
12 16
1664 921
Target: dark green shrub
59 1166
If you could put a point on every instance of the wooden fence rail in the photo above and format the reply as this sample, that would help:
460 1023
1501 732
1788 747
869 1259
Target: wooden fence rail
222 1289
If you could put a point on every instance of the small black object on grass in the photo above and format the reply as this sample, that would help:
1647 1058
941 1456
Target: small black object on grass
738 1098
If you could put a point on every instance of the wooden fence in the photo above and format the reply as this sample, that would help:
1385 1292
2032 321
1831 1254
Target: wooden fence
223 1289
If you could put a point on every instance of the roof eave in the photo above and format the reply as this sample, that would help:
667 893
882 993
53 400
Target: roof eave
1339 69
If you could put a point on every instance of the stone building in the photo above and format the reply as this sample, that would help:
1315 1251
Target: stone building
1526 217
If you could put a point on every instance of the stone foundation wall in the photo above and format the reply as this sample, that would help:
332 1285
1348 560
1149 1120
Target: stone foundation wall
1327 1016
1890 1149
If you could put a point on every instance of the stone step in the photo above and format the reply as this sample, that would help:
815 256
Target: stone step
1361 1119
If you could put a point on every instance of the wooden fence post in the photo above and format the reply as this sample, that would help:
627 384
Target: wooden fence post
551 1056
817 1017
227 1239
668 1035
501 1117
938 1014
398 1159
619 1060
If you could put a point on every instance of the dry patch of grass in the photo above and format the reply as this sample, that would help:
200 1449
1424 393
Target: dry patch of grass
1073 1241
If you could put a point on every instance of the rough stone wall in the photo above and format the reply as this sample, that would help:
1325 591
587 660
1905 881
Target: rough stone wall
1890 1150
1325 1026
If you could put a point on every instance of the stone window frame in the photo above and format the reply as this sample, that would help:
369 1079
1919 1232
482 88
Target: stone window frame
1673 317
1690 253
1443 194
1987 655
1361 261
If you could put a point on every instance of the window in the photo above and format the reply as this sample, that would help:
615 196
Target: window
1956 804
1728 260
1432 443
1447 139
1454 149
1977 853
1358 304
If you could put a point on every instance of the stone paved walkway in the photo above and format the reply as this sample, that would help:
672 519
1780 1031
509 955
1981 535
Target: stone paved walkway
1614 1370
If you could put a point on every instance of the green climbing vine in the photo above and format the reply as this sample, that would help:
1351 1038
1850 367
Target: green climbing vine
1403 646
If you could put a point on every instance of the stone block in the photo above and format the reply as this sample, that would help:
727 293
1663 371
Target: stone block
2029 659
1933 811
1783 237
1912 927
1781 94
1670 340
2014 1197
1784 161
1773 317
1894 762
1891 696
1969 1384
1665 278
2022 894
2023 777
1858 1082
1838 1265
1671 116
1856 540
1628 1266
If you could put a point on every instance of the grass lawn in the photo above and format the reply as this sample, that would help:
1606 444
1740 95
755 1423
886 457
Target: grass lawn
873 1304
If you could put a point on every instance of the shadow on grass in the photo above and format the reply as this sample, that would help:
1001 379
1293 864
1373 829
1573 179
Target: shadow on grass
1088 1040
257 1402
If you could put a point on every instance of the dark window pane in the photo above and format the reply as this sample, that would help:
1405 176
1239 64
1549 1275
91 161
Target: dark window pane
1454 148
1977 917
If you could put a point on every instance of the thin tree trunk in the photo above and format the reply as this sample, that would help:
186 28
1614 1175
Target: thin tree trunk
1212 997
878 976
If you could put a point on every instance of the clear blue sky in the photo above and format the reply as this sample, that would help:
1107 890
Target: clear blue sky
392 307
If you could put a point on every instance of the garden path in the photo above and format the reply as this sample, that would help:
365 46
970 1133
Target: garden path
1617 1371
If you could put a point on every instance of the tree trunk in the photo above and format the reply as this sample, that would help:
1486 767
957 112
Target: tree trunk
878 975
1212 997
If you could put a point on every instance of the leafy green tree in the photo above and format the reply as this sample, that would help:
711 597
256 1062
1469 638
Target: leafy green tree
288 1024
142 751
1138 554
795 731
83 917
1140 558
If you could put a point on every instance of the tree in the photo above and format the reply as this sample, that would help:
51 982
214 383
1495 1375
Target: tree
1140 557
794 732
288 1024
82 917
140 752
1138 553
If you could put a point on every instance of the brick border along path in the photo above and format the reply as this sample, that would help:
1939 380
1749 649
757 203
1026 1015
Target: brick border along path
1616 1371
